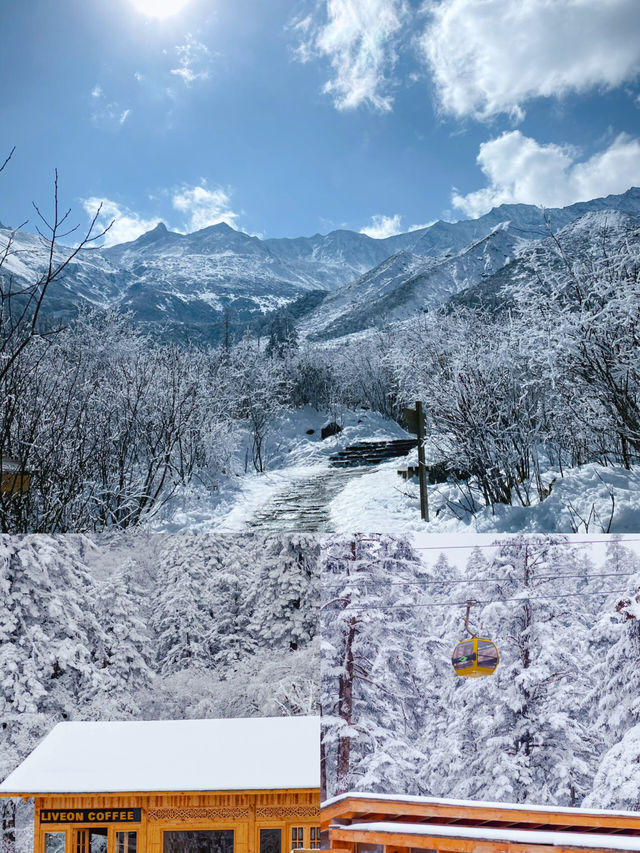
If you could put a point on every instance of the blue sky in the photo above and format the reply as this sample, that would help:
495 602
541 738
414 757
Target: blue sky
289 118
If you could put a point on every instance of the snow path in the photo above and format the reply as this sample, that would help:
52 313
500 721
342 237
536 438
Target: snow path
304 505
295 499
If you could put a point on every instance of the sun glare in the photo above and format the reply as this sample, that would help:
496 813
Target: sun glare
159 8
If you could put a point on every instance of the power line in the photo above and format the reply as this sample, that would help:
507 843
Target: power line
521 543
366 579
524 599
516 542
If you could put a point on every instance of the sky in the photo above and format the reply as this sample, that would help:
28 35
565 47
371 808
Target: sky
288 118
458 548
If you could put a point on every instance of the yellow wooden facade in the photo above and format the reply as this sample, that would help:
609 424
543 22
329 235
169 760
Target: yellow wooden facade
15 484
296 813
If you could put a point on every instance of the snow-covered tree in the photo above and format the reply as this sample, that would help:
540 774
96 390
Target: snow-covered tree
123 650
532 741
284 592
370 700
48 635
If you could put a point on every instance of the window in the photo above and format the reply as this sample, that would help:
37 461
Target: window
126 842
487 655
91 840
198 841
315 838
463 656
297 837
54 842
270 841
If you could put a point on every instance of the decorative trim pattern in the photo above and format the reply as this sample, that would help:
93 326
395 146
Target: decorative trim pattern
198 814
287 811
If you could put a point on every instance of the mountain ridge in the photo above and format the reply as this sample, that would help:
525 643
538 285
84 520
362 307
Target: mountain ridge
198 281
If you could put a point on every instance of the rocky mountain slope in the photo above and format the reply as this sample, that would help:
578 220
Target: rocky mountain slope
199 282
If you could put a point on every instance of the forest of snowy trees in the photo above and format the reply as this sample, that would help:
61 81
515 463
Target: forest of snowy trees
150 627
110 422
559 721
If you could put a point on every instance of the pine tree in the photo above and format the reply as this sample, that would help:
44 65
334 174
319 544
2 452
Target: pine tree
368 676
616 693
531 741
122 653
48 634
284 593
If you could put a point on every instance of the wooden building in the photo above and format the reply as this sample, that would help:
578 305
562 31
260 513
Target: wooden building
13 479
174 786
377 823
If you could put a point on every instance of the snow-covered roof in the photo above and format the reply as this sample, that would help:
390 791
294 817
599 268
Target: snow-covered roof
405 798
515 836
173 755
9 465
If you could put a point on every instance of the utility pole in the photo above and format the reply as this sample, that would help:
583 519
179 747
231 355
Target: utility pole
415 423
422 464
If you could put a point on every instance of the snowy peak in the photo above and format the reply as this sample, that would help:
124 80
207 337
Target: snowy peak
158 239
197 280
407 284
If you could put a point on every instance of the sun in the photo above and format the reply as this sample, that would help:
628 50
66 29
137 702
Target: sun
159 8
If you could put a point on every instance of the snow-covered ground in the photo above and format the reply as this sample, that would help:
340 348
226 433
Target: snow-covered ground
297 459
300 491
580 502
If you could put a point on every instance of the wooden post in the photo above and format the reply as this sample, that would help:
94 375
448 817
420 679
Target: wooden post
422 465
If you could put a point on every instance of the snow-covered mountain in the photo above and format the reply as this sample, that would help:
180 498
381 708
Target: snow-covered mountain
193 281
484 271
406 284
595 234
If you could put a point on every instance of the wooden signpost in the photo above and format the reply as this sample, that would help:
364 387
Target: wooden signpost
416 424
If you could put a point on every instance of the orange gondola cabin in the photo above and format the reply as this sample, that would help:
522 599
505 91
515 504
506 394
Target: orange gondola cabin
175 786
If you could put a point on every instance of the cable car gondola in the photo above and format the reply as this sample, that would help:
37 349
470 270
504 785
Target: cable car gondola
475 656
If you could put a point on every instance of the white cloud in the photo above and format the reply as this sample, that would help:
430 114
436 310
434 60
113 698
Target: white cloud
106 113
359 38
382 226
491 56
521 170
199 205
194 61
203 206
127 226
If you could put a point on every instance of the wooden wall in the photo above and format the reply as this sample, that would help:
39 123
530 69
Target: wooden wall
245 812
342 815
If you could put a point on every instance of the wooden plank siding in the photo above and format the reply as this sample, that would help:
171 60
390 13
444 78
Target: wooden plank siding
349 817
346 842
244 812
360 809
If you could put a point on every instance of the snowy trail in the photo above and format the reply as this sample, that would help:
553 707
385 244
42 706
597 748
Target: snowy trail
303 506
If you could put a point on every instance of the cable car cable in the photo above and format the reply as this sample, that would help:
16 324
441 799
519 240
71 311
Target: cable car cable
366 579
526 598
506 542
498 544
